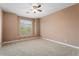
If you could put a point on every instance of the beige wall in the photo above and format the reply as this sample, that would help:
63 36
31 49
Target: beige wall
0 26
62 26
11 27
37 27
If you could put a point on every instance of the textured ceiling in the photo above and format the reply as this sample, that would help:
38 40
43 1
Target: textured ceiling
24 9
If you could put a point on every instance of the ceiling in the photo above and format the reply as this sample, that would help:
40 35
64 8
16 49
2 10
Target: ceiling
24 9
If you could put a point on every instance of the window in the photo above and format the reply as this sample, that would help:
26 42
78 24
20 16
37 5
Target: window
25 27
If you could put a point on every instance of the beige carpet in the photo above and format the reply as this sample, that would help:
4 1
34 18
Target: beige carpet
37 47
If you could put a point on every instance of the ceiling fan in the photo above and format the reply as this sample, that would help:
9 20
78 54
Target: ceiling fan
36 8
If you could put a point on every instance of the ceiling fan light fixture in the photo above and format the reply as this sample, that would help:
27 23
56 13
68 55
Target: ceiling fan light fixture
34 11
35 8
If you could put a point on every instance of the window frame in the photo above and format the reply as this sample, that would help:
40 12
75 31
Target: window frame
30 19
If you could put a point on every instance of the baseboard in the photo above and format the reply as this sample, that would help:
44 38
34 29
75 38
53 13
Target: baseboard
0 45
19 40
76 47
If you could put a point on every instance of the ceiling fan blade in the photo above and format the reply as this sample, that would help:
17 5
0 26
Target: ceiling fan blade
39 10
39 6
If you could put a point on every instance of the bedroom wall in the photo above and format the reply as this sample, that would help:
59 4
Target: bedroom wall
37 27
62 26
11 27
0 27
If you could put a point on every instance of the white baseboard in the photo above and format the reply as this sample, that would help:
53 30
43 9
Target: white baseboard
19 40
76 47
0 45
13 41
